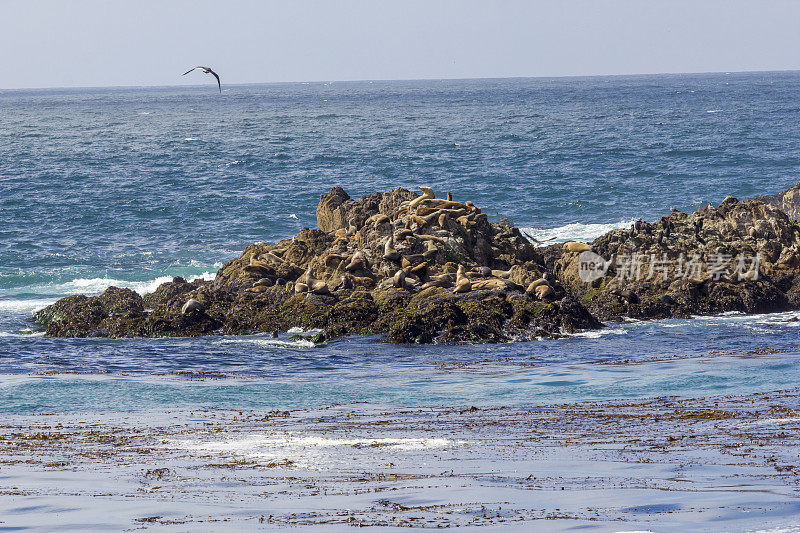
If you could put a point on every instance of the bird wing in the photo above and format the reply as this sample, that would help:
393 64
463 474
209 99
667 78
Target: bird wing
188 71
219 83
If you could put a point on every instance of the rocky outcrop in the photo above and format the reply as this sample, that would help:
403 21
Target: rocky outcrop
739 256
787 201
416 268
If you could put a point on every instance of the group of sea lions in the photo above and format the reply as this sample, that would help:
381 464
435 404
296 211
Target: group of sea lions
416 234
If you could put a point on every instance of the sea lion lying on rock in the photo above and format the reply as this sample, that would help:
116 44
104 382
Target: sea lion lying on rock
577 247
192 306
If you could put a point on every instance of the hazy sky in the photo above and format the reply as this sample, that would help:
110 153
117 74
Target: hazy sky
48 43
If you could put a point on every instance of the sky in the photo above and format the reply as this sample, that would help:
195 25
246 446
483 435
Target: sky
80 43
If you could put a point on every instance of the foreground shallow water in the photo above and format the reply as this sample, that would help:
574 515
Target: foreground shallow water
729 354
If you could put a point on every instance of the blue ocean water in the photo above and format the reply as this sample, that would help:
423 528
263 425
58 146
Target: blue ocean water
130 186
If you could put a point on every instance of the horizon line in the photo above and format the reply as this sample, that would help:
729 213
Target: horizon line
368 80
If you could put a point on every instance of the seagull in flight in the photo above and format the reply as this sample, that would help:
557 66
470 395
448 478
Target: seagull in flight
206 70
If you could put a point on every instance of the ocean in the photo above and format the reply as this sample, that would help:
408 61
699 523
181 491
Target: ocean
132 186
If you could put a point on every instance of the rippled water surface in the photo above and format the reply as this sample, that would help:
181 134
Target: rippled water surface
128 187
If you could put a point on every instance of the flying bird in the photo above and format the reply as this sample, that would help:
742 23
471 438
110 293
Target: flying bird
206 70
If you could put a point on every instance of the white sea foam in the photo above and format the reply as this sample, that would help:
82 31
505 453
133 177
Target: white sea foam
98 285
575 231
270 343
24 306
597 333
88 286
26 333
733 317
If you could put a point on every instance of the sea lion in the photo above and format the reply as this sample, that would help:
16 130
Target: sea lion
456 210
257 263
363 281
491 284
481 271
442 220
450 268
399 279
264 282
449 196
503 274
453 206
536 284
259 271
431 251
628 295
577 247
412 259
419 221
427 194
434 238
377 219
463 284
192 306
358 262
272 257
425 211
314 285
389 253
257 289
300 287
403 233
403 209
443 283
543 291
420 269
345 285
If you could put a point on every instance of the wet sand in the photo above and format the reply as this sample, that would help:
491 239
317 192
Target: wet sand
706 464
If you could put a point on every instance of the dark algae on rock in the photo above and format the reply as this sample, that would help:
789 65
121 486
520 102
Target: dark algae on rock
420 269
739 256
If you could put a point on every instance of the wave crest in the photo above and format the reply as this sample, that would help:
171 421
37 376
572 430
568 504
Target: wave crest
572 232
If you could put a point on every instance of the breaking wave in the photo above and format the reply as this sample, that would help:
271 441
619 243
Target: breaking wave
575 231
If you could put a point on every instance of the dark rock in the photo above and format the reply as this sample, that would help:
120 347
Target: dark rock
667 299
436 239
